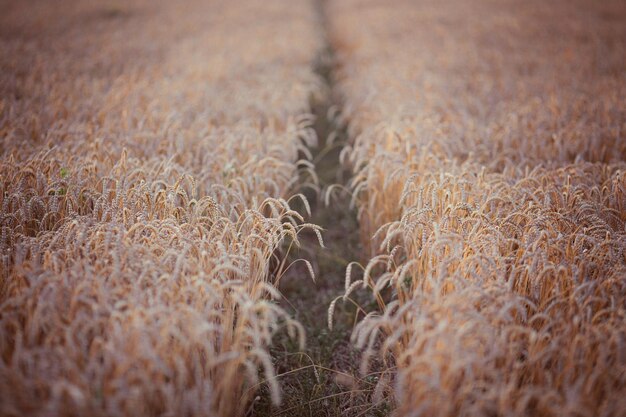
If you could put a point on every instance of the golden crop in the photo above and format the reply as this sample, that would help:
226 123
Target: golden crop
149 157
489 169
152 155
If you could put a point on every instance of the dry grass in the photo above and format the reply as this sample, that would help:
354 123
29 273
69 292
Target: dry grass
489 168
149 152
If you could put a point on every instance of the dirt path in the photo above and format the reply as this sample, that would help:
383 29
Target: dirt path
323 379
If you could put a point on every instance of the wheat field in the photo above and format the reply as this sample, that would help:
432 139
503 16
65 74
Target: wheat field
161 161
150 152
489 169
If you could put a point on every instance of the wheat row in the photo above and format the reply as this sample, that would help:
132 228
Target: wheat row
489 175
149 155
